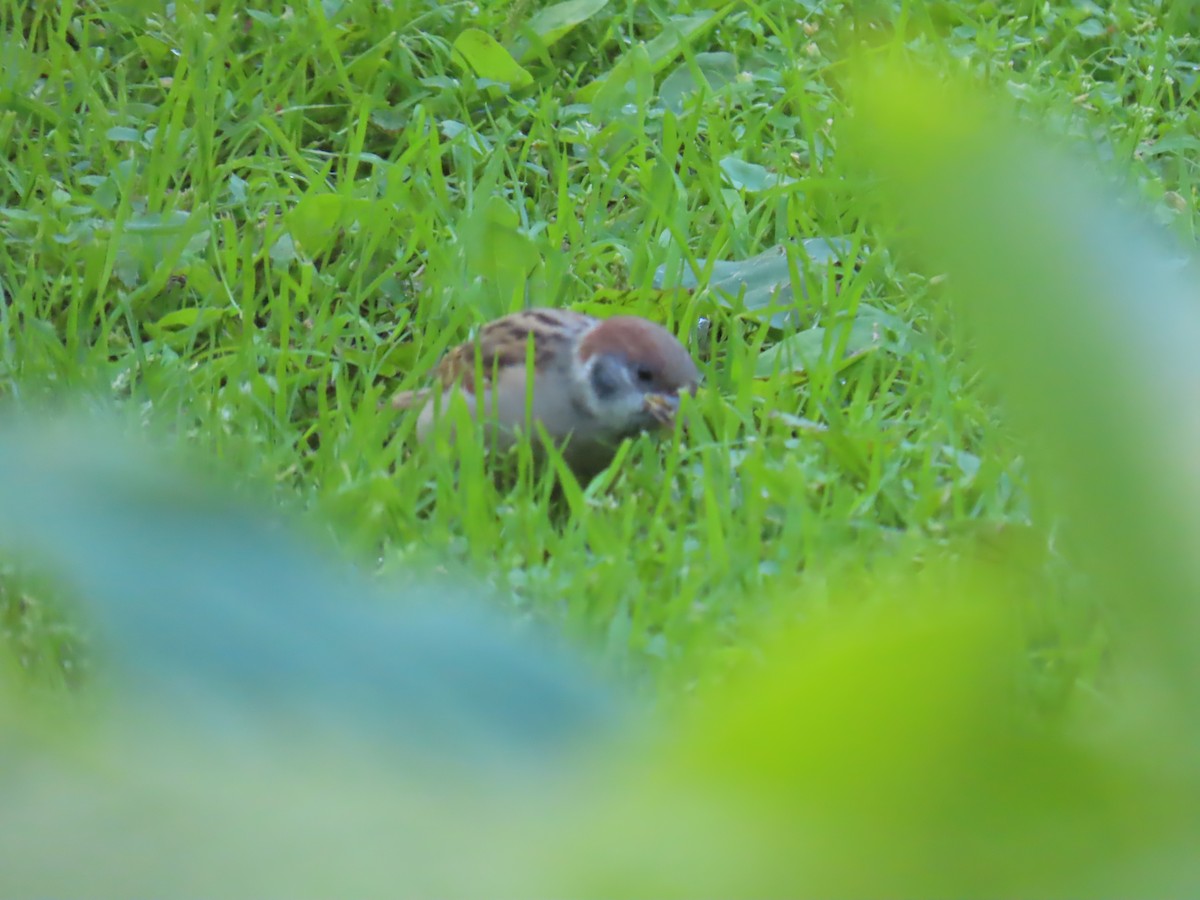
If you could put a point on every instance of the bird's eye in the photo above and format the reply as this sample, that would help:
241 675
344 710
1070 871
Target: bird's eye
644 375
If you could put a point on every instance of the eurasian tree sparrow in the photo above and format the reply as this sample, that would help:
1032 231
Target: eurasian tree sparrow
596 382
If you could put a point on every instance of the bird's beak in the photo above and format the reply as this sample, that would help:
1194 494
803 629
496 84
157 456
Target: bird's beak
661 407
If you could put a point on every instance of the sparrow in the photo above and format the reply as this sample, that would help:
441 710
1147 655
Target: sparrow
595 382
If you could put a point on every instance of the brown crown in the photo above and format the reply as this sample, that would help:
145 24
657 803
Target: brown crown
643 342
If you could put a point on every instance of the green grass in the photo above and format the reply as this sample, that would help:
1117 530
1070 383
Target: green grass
250 228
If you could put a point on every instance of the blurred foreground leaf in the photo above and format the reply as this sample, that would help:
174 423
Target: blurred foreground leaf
1085 315
205 602
885 754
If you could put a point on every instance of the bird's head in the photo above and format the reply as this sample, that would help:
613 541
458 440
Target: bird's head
632 374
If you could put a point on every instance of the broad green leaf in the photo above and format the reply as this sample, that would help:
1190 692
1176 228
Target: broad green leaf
479 52
677 34
716 70
390 118
120 134
555 22
16 214
497 251
394 359
314 221
870 330
176 327
474 139
150 242
799 352
630 82
751 177
188 317
153 49
283 251
765 279
172 222
681 32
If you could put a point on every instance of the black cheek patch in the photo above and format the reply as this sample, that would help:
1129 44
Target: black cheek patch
606 377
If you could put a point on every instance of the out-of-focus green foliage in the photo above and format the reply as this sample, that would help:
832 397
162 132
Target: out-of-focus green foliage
1087 314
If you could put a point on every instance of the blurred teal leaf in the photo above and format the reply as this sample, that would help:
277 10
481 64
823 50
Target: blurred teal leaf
203 602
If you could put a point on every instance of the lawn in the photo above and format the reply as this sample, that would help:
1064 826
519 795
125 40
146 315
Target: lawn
246 228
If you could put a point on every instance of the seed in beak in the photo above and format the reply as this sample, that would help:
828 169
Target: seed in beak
661 407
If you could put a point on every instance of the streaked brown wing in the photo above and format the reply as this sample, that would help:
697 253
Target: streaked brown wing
505 342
